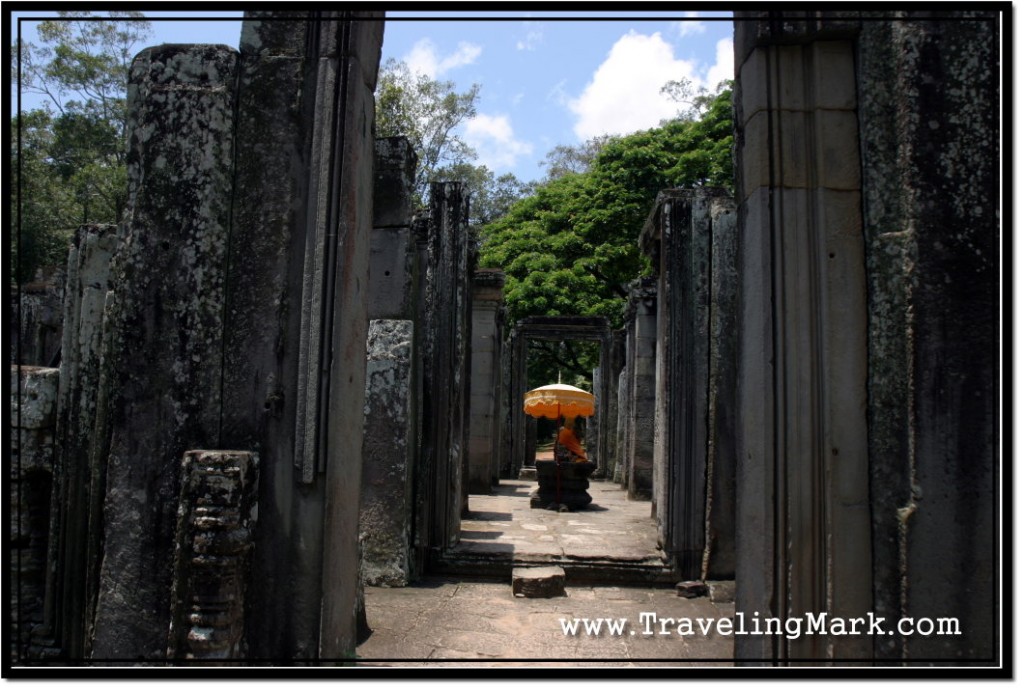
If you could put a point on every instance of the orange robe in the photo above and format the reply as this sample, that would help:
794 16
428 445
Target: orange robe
567 439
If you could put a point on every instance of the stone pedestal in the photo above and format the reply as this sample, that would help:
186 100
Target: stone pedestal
562 484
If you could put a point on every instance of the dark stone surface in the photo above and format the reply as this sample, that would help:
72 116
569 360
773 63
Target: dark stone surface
926 96
386 500
80 469
164 330
538 581
930 111
444 318
562 484
33 413
691 589
38 320
216 518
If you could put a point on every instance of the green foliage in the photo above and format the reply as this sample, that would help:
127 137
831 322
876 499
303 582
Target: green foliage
72 166
571 247
490 197
429 113
565 159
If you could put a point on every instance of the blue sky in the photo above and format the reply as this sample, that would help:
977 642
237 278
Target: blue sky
544 81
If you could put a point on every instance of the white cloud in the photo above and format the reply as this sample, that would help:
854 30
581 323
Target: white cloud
495 142
558 95
423 58
533 38
723 67
624 95
690 27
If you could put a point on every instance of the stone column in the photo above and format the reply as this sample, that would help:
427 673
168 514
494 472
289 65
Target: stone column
640 475
628 402
33 416
165 316
804 534
614 426
929 108
295 355
79 466
385 521
719 559
37 320
393 262
485 379
693 282
446 324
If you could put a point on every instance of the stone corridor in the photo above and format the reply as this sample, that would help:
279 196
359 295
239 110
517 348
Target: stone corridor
614 570
613 540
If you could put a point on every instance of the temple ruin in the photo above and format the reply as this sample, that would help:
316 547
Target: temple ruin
277 382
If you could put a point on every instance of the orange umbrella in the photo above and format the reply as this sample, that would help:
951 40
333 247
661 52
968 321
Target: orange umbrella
554 400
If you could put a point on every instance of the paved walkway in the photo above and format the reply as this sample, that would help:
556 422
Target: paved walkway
448 622
612 526
470 622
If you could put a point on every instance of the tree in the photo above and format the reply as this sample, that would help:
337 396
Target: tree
427 112
696 99
490 197
48 209
73 147
571 247
565 159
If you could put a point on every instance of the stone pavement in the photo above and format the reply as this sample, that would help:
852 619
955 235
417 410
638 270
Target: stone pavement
447 622
613 567
612 540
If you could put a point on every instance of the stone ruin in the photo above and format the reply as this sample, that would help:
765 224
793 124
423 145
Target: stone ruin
277 381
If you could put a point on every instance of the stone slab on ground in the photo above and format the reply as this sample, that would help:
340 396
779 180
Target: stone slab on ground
691 589
538 581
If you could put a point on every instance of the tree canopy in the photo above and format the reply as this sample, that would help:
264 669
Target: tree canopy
71 168
571 247
430 113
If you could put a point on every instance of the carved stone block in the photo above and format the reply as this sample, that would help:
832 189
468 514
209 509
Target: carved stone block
214 538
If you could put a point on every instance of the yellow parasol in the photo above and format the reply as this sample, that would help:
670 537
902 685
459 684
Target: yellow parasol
554 400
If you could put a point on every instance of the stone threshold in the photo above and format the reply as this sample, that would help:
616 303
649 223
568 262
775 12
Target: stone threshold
578 570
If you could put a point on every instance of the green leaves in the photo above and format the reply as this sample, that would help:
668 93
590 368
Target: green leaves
427 112
72 168
571 247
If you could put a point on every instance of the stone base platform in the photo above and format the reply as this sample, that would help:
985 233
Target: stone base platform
562 486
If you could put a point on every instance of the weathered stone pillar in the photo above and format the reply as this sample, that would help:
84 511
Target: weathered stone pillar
803 480
80 464
485 379
394 267
165 325
929 94
445 357
294 376
719 559
33 416
640 475
214 540
695 280
385 521
627 402
613 369
37 320
391 425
